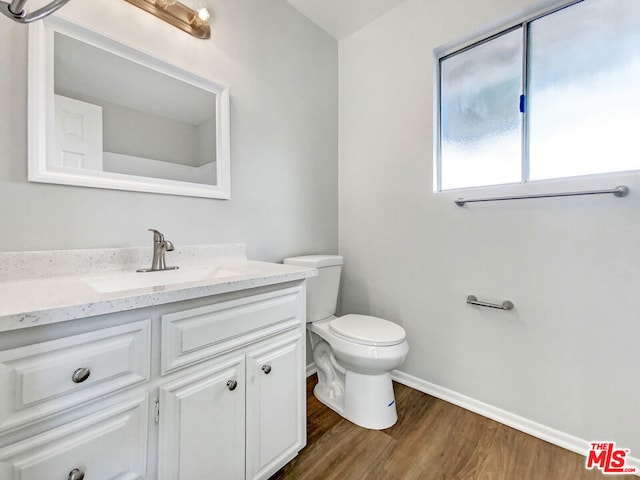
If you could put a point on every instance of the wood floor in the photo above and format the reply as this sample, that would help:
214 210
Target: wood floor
433 440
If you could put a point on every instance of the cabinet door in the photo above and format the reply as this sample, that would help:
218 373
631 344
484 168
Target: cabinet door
276 404
202 424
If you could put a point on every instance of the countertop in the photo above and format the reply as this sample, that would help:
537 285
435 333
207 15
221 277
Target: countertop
29 299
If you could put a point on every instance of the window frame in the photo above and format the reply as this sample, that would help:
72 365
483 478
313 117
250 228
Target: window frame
522 20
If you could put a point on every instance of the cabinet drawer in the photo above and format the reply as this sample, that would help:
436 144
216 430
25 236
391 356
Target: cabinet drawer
44 378
111 445
194 335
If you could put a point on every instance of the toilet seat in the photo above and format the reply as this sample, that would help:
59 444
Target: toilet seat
367 330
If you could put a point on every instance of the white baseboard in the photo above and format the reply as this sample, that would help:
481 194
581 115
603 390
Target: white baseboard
311 369
543 432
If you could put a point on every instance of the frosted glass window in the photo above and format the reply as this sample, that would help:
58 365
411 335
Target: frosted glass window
480 120
574 111
584 89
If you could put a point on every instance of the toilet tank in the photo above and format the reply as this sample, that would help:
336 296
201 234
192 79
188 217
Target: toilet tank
322 291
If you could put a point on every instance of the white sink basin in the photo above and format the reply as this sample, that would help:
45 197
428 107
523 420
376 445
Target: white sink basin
136 280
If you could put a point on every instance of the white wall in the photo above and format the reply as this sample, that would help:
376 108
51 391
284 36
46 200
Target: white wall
567 356
282 74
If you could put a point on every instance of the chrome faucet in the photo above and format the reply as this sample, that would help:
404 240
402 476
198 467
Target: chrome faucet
160 246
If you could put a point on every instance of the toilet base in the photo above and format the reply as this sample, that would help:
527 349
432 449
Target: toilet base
368 400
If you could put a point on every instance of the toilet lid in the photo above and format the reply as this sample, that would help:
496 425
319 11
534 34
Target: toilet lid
367 330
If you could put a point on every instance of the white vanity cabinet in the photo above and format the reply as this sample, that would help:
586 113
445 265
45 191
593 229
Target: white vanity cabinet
210 388
243 414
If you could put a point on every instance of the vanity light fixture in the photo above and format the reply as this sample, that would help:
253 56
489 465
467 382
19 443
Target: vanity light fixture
192 21
15 10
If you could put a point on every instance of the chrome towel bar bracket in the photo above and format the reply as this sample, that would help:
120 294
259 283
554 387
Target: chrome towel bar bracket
619 191
506 305
15 10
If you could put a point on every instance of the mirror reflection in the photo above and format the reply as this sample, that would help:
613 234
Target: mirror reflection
117 116
103 114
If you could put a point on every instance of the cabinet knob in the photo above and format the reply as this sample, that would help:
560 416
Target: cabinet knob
266 369
232 384
76 474
79 376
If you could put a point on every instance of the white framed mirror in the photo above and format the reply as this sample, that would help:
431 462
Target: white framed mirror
103 114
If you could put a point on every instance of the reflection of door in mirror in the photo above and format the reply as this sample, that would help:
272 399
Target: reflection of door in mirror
78 135
117 116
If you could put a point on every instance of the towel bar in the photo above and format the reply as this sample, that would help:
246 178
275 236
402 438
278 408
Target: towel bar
619 191
506 305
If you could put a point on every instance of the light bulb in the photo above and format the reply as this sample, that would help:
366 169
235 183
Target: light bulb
201 14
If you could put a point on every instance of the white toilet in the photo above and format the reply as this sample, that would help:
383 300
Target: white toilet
354 354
